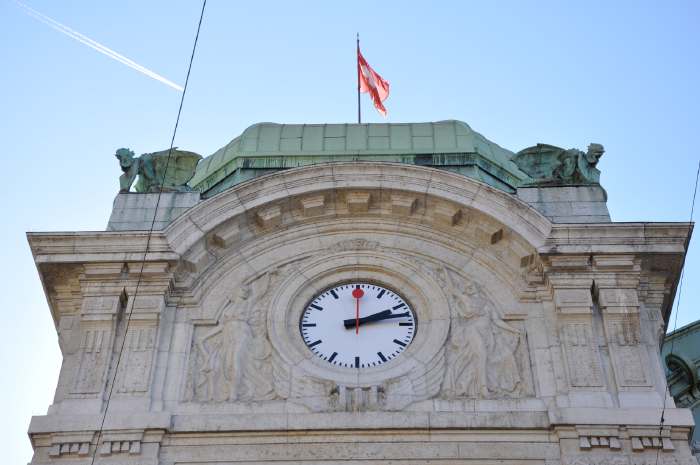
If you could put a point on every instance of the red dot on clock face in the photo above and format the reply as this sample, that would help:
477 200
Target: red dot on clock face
358 293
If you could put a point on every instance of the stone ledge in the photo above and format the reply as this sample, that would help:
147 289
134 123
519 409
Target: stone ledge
368 420
617 238
140 421
609 416
292 422
366 450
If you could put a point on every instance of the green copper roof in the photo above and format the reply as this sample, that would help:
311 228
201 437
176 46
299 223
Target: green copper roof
266 147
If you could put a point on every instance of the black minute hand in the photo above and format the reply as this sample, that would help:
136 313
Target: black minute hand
383 315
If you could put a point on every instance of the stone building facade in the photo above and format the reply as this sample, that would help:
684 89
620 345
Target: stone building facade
681 354
536 320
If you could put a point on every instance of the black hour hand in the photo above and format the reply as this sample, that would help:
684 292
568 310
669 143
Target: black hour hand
383 315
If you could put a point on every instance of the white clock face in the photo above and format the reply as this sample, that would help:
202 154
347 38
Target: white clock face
357 325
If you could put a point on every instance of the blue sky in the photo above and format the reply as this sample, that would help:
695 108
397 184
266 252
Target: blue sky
623 73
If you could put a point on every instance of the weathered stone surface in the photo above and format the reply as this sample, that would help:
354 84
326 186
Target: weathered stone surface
568 204
135 212
534 340
313 205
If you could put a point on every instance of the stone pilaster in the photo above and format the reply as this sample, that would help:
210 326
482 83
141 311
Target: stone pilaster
570 281
617 284
115 328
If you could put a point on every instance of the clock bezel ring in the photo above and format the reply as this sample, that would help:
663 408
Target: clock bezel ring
424 294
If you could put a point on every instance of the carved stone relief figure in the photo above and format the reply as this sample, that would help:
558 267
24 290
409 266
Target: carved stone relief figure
232 361
482 347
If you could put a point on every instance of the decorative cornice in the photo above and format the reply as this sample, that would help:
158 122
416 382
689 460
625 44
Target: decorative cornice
108 246
618 238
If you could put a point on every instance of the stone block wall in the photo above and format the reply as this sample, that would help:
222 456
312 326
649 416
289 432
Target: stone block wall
568 204
134 212
536 343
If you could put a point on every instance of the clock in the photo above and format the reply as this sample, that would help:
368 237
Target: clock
357 325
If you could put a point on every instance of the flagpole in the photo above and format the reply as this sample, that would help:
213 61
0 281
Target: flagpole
359 111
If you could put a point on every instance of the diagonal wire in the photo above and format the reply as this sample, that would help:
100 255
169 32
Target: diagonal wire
148 238
667 393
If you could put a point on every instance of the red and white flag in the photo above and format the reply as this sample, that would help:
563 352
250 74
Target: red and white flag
372 83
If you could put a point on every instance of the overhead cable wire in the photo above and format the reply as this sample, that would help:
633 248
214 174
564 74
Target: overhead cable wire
132 299
667 392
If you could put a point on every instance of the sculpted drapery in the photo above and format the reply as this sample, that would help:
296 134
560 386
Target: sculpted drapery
481 355
234 357
232 361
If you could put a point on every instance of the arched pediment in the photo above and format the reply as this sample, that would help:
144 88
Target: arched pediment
373 218
415 194
457 249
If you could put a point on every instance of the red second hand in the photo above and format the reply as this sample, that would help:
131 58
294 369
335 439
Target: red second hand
357 293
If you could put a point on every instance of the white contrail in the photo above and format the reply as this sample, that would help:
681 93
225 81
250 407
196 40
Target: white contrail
95 45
